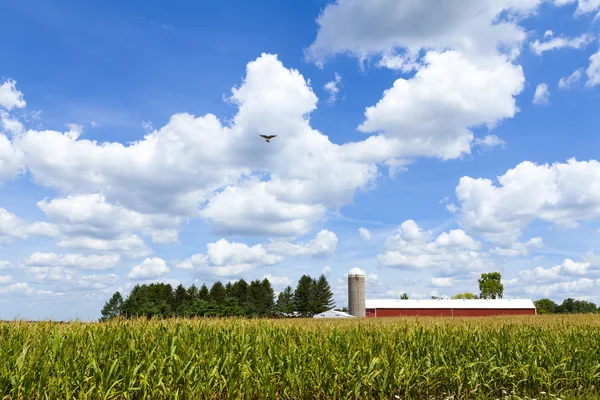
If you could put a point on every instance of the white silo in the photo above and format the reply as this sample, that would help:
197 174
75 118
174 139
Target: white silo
356 292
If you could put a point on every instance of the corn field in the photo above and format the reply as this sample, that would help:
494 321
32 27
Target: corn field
406 358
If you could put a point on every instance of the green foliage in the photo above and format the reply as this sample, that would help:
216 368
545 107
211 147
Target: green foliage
112 308
285 302
404 296
303 299
466 295
571 306
239 299
322 296
490 286
545 306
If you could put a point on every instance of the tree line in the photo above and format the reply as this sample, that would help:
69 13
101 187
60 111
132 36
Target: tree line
254 299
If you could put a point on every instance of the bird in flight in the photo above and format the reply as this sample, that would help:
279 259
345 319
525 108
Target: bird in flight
268 138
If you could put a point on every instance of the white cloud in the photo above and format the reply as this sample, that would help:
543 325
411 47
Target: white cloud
127 245
571 80
560 42
224 258
41 228
5 279
323 245
583 6
79 261
91 215
517 248
326 270
364 233
381 27
561 193
5 265
593 70
541 94
65 280
10 159
332 87
17 288
441 282
411 247
278 281
488 142
11 227
431 113
10 97
149 268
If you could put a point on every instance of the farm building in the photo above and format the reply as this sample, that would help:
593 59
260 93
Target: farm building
448 307
333 314
360 307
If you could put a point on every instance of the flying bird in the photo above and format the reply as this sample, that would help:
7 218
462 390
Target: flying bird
268 137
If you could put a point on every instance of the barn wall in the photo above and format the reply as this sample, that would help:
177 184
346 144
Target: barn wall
444 312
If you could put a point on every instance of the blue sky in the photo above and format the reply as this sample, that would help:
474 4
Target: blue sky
423 143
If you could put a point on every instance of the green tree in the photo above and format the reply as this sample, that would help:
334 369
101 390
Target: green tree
218 293
572 306
285 302
322 296
545 306
203 293
193 292
490 286
466 295
404 296
303 296
112 308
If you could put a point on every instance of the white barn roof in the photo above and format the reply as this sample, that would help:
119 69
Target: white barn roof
451 303
333 314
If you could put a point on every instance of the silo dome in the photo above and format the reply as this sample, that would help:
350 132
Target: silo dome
356 271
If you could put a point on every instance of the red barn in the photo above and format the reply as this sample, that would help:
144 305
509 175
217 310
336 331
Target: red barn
448 307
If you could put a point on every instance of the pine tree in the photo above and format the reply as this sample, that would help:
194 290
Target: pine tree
203 294
303 296
181 298
193 292
112 308
285 302
217 293
323 296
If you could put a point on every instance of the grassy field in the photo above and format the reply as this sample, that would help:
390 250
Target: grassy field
409 358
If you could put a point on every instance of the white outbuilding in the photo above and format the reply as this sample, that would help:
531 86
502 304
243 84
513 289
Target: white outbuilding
333 314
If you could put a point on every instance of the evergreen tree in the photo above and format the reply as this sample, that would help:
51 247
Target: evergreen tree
203 293
285 302
112 308
181 300
303 296
404 296
193 292
322 296
218 293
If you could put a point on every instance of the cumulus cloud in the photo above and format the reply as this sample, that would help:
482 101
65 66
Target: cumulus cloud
441 282
63 279
4 265
571 80
224 258
332 87
561 193
323 245
411 247
149 268
278 281
80 261
488 142
477 28
92 216
539 47
364 233
127 245
326 270
10 97
440 104
593 70
541 94
5 279
11 227
518 249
